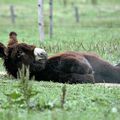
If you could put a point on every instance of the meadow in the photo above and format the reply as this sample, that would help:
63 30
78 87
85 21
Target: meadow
98 31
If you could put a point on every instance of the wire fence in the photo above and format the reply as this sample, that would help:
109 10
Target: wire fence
67 15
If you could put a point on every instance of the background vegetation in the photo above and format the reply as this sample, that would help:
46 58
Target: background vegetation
98 31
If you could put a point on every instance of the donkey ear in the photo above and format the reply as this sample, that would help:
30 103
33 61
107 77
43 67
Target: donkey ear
2 50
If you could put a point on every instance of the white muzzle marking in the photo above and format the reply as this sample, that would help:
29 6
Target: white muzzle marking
40 54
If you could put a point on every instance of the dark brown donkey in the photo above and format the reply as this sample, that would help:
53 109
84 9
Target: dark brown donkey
62 68
67 67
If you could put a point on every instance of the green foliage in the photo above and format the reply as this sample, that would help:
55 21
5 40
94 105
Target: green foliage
98 31
63 96
25 86
81 102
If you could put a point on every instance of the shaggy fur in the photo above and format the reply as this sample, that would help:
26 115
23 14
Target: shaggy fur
67 67
2 51
76 66
64 68
15 56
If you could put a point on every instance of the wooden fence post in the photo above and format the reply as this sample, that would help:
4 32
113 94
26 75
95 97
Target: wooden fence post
51 18
65 2
40 20
77 14
12 12
94 2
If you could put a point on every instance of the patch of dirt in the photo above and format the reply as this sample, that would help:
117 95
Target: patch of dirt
108 84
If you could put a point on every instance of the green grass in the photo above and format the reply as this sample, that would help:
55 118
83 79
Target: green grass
98 31
81 102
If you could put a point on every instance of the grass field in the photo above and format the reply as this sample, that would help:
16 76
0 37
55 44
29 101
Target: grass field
98 31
